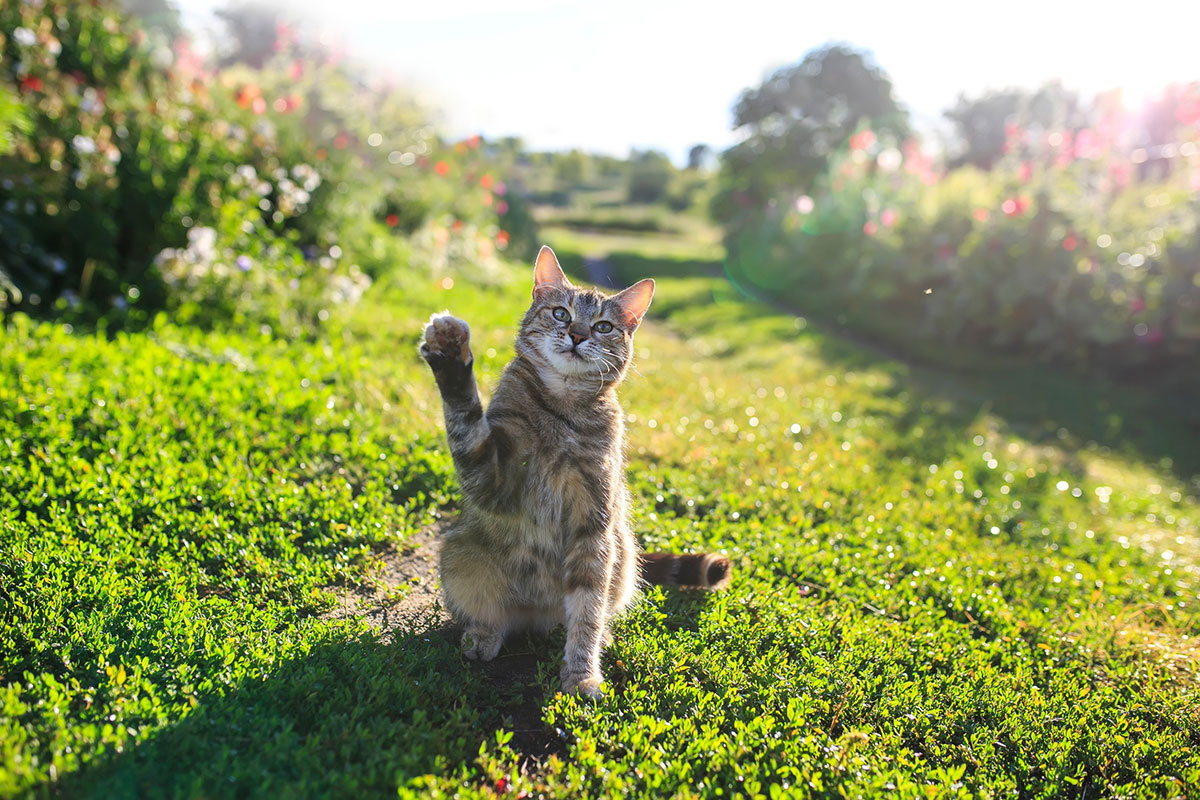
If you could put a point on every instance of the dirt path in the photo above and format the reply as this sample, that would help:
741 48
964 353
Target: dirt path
410 571
412 567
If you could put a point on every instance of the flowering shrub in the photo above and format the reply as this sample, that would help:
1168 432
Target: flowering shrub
136 176
1060 251
111 160
257 274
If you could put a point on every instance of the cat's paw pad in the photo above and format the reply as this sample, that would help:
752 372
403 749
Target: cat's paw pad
584 685
446 338
481 645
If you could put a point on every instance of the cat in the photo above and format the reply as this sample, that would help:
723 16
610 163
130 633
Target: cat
543 537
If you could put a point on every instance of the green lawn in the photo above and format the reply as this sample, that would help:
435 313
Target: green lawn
976 584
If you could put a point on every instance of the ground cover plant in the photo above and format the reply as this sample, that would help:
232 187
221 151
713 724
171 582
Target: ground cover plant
931 597
223 469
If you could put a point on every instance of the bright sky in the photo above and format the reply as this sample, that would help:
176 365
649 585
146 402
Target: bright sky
608 75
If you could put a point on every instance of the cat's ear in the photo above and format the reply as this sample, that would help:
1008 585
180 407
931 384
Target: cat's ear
634 301
547 272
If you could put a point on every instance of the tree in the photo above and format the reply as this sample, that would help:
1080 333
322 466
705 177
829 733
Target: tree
253 29
797 118
649 176
698 156
980 122
571 169
160 16
979 126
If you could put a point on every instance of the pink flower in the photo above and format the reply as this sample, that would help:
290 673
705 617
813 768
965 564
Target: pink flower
870 228
1015 206
1121 173
888 218
862 140
1025 172
1069 242
1137 305
1087 144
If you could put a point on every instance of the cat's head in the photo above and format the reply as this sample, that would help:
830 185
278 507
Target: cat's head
581 335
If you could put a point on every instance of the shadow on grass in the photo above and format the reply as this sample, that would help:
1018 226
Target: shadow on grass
1044 404
354 716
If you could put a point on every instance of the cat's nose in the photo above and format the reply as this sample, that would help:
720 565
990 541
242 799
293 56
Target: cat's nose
577 334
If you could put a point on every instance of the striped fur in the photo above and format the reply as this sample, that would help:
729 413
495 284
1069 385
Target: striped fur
543 538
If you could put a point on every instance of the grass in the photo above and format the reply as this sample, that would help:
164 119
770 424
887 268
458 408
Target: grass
941 588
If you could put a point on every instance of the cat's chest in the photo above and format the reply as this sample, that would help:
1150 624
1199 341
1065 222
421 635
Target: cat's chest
573 484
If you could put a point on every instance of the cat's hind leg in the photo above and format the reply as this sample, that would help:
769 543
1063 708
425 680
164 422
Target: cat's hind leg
475 590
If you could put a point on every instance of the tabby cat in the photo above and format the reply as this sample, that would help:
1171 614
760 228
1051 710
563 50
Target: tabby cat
544 537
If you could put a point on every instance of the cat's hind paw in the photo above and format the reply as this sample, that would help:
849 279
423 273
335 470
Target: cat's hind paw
446 338
480 645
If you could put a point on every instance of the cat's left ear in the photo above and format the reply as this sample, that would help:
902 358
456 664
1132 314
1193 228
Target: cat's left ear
634 301
547 272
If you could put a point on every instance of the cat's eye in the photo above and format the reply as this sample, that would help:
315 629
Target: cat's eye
603 326
561 314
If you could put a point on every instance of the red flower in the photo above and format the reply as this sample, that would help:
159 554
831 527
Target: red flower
1070 242
486 181
247 95
458 225
1137 305
474 141
341 141
1025 172
862 140
502 239
31 83
870 228
296 70
442 168
982 214
392 220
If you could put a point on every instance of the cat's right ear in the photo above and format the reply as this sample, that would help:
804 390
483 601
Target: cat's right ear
547 273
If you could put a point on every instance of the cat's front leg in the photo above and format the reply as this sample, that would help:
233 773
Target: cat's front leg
446 347
589 570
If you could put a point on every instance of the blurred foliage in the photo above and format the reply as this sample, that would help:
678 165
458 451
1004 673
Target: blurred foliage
1057 253
798 117
155 16
136 175
980 123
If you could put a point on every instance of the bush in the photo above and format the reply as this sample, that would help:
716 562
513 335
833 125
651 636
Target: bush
1054 254
134 176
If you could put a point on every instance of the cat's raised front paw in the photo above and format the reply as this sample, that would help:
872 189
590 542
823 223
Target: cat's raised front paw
446 338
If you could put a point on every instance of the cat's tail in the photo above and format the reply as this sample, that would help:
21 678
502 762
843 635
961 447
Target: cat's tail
695 570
